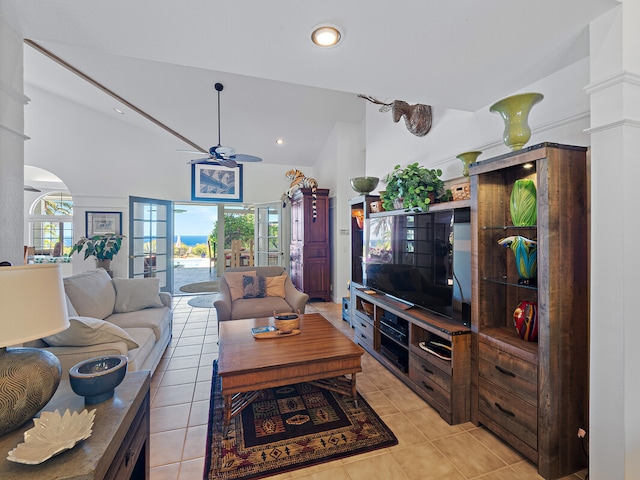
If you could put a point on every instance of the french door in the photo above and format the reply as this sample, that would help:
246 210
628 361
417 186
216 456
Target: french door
151 243
272 235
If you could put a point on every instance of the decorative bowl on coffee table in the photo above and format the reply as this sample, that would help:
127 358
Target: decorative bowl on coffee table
96 379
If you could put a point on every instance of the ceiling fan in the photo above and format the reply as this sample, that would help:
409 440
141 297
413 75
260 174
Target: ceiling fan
225 156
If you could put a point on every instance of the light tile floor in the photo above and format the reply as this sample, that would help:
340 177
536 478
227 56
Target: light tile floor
428 448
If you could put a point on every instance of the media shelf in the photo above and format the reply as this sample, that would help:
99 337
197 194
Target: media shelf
392 332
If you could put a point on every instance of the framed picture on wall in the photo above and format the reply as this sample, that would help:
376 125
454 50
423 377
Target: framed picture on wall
215 183
101 223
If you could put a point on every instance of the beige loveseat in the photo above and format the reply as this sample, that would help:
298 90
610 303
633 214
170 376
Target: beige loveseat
237 300
113 316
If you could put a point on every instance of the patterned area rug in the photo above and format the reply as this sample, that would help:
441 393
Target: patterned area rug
201 287
203 301
287 428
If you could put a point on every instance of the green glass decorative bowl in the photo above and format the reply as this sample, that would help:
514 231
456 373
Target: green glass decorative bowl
364 185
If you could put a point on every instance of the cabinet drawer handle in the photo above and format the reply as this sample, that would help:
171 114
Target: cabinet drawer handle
363 336
427 386
506 412
506 372
426 369
362 324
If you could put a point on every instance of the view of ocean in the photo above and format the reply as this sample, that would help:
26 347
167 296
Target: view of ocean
190 240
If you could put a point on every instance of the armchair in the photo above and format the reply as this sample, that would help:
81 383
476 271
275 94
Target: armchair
232 307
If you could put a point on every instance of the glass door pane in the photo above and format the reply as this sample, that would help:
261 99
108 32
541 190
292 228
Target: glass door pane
268 234
151 245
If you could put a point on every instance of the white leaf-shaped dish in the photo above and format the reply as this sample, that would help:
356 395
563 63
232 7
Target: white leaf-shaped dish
51 435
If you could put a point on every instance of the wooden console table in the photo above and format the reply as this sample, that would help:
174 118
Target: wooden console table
118 448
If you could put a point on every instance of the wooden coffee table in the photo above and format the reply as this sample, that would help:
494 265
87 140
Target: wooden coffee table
320 354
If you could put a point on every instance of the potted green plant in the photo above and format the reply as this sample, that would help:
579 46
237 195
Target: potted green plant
417 187
102 247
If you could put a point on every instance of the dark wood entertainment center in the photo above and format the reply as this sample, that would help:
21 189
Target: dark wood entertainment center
532 394
392 331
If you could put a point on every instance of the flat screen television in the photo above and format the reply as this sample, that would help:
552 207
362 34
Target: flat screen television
423 260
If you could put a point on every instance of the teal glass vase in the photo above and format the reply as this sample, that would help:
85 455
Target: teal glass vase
526 253
523 203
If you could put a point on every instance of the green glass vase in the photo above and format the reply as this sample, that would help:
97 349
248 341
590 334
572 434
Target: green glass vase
467 158
522 204
515 113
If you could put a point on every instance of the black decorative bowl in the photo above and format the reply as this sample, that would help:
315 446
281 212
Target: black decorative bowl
96 379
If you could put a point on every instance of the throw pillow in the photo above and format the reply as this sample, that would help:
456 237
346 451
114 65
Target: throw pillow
71 311
253 286
275 285
234 280
85 331
91 293
133 294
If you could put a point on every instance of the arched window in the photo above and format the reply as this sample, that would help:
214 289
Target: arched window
51 221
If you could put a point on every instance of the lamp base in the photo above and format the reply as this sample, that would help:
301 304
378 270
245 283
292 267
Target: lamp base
28 379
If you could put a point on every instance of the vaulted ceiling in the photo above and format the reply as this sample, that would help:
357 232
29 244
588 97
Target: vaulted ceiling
164 57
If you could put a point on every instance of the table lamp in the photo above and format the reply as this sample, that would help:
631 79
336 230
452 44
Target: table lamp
32 306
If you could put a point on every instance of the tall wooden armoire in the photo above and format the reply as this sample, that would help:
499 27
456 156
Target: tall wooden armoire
310 262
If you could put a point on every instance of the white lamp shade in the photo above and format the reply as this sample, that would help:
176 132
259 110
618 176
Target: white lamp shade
32 303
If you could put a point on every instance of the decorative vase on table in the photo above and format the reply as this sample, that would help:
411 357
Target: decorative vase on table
526 253
468 158
523 203
106 264
515 113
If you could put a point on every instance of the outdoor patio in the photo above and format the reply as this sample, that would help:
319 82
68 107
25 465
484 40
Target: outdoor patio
191 270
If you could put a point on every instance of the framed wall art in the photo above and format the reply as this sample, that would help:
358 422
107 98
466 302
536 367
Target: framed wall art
215 183
101 223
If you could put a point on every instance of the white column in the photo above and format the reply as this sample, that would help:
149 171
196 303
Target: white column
12 140
615 238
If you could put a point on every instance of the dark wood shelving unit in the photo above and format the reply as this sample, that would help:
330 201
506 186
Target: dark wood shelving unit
534 395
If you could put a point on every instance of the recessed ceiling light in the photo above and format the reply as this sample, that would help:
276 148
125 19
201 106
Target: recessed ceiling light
279 141
117 110
326 35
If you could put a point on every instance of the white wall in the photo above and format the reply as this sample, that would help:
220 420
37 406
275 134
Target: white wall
561 118
342 158
615 133
11 145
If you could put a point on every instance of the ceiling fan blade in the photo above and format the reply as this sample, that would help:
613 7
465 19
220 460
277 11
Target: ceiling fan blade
227 162
240 157
190 151
203 160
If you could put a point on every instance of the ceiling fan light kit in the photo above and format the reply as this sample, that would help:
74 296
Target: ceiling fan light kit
221 155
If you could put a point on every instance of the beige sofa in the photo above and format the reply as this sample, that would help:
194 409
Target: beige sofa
113 316
280 294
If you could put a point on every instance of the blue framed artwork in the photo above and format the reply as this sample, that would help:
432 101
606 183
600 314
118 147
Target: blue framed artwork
215 183
102 223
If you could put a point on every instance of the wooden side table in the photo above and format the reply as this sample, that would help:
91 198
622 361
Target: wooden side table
118 448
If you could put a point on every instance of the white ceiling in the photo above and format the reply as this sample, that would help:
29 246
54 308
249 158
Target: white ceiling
164 58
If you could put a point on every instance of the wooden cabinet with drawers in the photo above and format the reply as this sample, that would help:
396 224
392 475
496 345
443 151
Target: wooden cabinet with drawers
393 333
533 394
